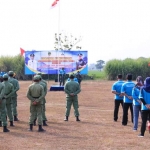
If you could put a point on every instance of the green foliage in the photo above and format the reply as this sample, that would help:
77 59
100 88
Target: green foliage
134 66
100 64
97 74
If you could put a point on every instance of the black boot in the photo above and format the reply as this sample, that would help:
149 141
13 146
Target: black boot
40 129
34 123
66 119
5 129
11 123
31 127
77 118
44 123
15 118
0 124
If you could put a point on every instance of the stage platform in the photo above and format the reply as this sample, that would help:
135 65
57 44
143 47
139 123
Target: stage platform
56 88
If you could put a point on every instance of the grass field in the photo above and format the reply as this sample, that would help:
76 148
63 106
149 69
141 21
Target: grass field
96 131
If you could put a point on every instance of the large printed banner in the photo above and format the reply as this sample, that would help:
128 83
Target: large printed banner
50 62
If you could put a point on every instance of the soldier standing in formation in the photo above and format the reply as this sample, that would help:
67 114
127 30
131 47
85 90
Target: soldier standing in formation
3 107
9 91
72 89
35 94
15 83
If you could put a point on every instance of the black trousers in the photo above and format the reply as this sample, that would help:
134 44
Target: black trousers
126 106
116 108
144 114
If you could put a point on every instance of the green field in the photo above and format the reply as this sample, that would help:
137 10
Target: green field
96 74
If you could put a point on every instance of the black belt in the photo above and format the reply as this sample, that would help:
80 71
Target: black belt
3 98
35 97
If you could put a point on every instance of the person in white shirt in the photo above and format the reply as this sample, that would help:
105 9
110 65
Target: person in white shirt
32 63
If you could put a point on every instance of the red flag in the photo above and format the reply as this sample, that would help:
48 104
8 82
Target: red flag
22 52
54 3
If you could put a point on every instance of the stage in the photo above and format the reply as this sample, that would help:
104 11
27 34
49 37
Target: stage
56 88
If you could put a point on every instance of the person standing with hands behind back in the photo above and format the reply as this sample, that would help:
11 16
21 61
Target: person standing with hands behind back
72 89
116 89
145 108
136 101
126 91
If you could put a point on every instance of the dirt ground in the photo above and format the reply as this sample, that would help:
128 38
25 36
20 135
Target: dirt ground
95 131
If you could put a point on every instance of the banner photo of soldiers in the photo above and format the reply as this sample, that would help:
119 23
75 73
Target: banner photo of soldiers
50 62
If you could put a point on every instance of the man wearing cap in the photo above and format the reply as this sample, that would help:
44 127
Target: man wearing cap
32 63
44 101
80 63
126 92
3 107
72 89
15 83
35 94
9 91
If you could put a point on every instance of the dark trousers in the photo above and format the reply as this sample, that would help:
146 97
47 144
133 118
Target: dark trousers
126 106
144 115
116 108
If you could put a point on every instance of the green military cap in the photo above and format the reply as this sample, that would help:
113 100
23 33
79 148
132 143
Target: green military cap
5 76
36 77
39 73
10 73
39 76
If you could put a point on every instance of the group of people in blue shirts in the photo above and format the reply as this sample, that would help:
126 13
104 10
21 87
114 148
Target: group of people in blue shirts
133 96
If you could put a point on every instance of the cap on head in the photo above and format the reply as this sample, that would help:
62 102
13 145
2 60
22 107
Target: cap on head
79 54
39 73
5 76
10 73
36 77
32 55
39 76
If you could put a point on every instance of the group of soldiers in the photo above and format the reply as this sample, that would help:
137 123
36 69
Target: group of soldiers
8 100
36 94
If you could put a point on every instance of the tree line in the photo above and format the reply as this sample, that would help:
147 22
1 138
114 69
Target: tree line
137 67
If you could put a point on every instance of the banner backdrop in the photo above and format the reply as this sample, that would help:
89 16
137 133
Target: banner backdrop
49 62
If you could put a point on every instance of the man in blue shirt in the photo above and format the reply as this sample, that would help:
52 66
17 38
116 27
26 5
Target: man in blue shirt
116 89
62 74
126 91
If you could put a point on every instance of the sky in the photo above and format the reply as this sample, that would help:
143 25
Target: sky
110 29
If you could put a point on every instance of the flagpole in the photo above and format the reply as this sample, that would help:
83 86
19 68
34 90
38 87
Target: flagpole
58 40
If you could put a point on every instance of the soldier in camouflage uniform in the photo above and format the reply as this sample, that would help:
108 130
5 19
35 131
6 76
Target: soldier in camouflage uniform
15 83
36 94
3 107
9 91
72 89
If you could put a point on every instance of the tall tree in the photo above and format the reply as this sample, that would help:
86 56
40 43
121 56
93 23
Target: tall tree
65 41
100 64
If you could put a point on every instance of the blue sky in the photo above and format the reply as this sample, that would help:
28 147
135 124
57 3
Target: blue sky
110 28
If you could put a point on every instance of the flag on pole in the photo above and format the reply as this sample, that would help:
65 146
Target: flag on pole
54 3
22 52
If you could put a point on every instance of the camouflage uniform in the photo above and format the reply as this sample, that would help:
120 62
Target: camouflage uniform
71 89
15 83
35 94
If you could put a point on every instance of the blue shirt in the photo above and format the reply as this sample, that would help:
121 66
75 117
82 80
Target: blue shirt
127 89
135 95
117 87
62 72
75 79
146 96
